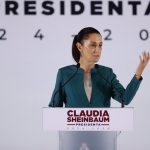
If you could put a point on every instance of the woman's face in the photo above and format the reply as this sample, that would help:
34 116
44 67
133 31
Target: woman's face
91 48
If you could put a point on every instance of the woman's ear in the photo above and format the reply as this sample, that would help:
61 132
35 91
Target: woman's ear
79 46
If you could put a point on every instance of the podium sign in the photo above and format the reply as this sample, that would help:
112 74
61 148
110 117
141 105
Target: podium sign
87 119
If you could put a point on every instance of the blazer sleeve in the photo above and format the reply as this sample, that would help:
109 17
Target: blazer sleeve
58 95
119 92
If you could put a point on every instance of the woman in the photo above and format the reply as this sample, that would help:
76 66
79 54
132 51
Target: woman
88 84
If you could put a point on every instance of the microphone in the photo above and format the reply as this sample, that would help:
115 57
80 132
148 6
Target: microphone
53 98
121 96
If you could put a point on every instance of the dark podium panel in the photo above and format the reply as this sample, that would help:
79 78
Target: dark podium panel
88 140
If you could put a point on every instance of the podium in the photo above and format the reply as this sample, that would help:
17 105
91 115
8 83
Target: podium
88 128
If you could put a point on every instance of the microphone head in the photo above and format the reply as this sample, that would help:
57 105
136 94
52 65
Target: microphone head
78 65
96 66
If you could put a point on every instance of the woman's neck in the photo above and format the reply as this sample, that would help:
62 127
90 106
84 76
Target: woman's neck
87 66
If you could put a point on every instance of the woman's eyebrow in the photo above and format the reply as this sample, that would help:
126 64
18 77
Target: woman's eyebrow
96 42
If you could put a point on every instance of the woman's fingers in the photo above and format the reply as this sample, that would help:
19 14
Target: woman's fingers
145 57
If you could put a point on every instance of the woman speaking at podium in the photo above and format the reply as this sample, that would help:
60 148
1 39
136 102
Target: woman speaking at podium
88 84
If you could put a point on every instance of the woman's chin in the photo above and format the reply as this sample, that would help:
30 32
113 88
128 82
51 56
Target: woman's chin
96 60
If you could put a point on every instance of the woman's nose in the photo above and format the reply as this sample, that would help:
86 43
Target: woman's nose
97 49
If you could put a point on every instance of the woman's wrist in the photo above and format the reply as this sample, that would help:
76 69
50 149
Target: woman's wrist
138 73
138 76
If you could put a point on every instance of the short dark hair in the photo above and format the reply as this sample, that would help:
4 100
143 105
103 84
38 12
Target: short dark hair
82 35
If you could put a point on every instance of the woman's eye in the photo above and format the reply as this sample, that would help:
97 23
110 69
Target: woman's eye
93 45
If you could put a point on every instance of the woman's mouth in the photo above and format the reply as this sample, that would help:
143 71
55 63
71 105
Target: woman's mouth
96 55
